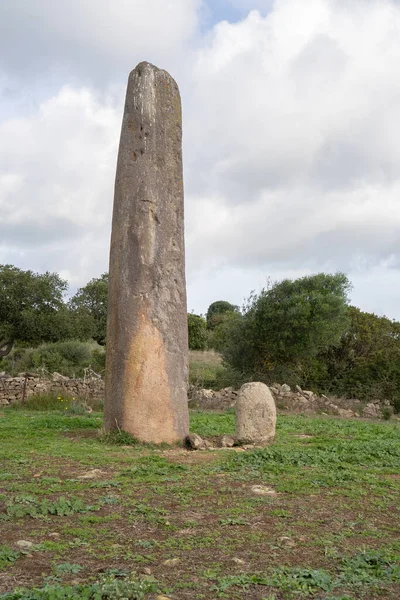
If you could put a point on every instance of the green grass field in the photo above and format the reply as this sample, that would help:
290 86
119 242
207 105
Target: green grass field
316 515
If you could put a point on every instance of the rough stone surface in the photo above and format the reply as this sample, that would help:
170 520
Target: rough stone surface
147 345
299 401
211 399
195 442
14 389
24 544
255 414
227 441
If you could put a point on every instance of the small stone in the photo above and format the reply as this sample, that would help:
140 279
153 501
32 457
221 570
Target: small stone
344 412
238 561
287 541
24 544
194 441
227 441
145 571
91 474
263 490
171 562
371 410
285 388
54 535
162 598
186 532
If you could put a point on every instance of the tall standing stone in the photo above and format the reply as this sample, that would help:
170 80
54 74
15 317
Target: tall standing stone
147 343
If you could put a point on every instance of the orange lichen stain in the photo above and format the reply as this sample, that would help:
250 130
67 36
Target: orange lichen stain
148 413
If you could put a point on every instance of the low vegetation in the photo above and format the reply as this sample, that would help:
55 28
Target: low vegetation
314 515
301 332
69 358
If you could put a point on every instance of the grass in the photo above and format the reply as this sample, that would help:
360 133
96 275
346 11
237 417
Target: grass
50 402
104 512
204 368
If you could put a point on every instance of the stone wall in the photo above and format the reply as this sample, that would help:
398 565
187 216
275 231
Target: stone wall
211 399
92 390
12 388
298 400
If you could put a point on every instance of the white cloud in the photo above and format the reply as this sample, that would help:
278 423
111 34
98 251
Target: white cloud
56 188
98 39
297 114
290 138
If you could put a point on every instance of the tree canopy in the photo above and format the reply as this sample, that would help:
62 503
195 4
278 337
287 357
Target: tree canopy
290 321
217 311
197 330
366 363
90 302
32 309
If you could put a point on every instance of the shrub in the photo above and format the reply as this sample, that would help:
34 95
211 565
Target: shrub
69 358
197 329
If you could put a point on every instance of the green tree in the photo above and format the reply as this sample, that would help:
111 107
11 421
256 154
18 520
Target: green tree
291 321
217 311
90 303
32 308
366 363
197 329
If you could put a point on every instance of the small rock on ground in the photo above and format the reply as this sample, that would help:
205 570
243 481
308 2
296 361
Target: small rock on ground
287 541
171 562
227 441
263 490
91 474
194 441
24 544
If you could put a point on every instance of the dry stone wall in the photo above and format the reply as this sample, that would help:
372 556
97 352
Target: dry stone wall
298 400
12 388
92 390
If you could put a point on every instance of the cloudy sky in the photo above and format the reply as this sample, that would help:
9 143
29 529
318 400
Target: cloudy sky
291 137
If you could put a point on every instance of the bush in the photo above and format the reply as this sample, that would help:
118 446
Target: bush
69 358
197 330
386 413
289 322
217 311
